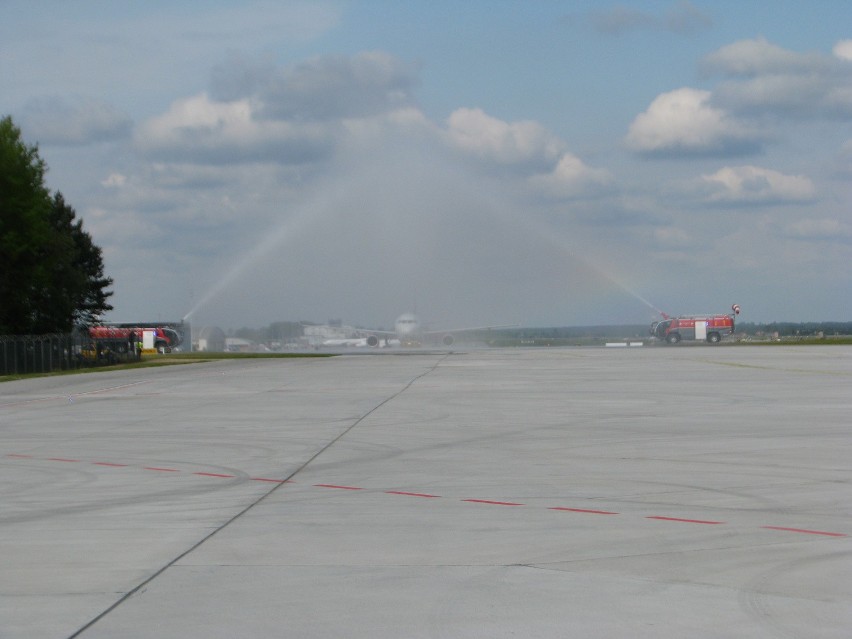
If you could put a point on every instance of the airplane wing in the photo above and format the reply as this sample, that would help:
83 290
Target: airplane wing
370 331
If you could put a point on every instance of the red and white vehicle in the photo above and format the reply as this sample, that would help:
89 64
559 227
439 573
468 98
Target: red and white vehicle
161 338
709 328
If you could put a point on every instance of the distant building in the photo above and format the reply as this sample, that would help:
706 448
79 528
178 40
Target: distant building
239 345
208 339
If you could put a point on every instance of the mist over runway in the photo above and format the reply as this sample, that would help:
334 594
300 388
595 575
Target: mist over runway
585 491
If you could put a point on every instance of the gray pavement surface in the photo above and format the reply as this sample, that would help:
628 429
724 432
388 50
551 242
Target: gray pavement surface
642 492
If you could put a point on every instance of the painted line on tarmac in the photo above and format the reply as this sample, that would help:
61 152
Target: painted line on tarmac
492 503
487 502
688 521
584 510
337 487
805 531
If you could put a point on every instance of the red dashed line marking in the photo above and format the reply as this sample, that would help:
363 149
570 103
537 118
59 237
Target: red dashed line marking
584 510
688 521
422 495
492 503
338 487
805 531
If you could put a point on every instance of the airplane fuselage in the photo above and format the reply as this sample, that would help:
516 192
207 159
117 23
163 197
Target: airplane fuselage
408 329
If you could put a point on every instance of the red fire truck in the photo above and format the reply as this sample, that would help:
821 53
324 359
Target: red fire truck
120 338
709 328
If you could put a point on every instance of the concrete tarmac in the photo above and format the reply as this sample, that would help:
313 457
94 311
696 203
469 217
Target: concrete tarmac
633 492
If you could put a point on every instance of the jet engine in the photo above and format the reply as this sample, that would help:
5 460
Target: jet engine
448 340
372 340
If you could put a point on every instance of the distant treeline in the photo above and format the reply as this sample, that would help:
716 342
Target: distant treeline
568 332
786 329
624 331
283 331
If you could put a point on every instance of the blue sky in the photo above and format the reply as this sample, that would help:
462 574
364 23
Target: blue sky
546 163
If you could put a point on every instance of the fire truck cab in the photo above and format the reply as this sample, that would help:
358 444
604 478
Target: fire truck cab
709 328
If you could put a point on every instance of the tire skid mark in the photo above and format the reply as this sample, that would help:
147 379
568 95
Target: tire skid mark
53 398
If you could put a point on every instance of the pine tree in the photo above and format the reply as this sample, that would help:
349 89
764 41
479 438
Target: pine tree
51 272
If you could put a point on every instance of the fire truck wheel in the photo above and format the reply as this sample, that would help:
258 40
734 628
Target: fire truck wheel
673 338
714 338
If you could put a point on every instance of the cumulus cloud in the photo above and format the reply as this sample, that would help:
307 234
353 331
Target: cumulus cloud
528 147
685 122
261 114
758 57
257 112
209 132
490 138
682 17
114 180
843 50
322 88
766 78
571 178
73 121
755 185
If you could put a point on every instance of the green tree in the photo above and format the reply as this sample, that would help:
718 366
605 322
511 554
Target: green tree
75 293
51 272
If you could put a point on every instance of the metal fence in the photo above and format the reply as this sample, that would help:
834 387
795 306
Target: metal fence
21 354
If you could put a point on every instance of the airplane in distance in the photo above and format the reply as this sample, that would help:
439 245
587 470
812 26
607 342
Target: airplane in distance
408 331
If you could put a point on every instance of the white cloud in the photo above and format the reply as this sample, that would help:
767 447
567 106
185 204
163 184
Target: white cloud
209 132
571 177
257 112
406 121
114 180
755 185
492 139
685 122
760 57
843 50
766 78
526 145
